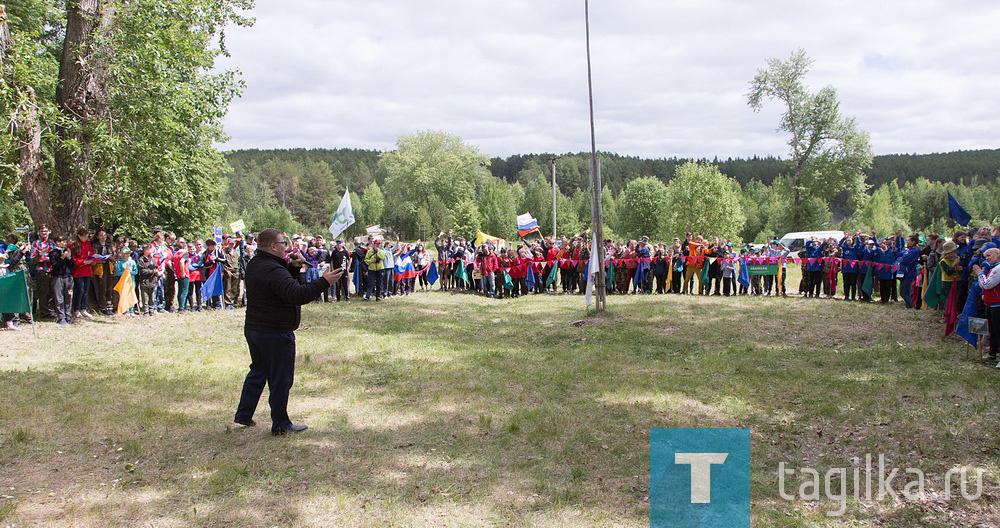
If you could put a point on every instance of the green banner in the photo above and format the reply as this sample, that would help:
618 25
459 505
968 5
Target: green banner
762 269
14 297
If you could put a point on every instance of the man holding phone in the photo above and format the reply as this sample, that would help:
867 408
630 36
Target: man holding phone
275 296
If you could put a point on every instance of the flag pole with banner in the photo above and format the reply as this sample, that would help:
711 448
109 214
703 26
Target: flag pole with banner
344 217
592 266
958 213
527 224
15 295
31 313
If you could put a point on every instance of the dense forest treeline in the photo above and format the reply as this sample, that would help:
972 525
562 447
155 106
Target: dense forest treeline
359 167
435 181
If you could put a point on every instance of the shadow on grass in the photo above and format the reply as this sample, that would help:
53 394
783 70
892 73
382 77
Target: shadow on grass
473 414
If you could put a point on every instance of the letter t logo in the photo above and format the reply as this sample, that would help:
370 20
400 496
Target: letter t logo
701 473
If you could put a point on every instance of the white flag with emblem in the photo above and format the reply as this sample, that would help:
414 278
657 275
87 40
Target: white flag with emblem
344 217
592 269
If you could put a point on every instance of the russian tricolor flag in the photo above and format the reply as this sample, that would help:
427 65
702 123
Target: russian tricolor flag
404 268
526 224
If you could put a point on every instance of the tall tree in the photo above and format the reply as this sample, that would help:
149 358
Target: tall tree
373 204
828 152
497 210
315 206
430 164
702 200
640 206
135 109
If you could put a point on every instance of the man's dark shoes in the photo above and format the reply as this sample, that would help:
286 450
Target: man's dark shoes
290 429
245 423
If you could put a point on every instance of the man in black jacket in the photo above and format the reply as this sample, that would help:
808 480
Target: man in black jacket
274 300
340 258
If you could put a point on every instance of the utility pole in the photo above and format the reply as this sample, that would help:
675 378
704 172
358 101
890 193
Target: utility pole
552 160
596 212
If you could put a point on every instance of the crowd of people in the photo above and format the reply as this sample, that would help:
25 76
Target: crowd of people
74 277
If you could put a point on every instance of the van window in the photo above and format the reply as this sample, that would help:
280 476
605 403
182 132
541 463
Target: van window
798 244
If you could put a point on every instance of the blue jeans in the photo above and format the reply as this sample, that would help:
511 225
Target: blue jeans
158 298
905 291
489 284
272 362
374 281
81 286
182 292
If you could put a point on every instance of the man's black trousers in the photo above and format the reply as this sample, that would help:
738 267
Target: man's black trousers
272 362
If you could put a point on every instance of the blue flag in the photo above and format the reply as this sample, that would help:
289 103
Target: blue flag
213 284
640 274
357 278
432 273
957 213
744 277
530 278
971 310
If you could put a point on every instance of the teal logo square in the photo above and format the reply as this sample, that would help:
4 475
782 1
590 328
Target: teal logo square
699 478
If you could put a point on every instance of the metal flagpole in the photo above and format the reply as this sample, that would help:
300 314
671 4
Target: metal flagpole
31 311
595 190
553 160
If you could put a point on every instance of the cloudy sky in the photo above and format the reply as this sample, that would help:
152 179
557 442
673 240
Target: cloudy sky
670 76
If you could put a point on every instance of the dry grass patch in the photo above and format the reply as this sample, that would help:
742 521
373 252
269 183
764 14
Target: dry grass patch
449 409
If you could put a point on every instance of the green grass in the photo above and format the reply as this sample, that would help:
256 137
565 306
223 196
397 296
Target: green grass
454 410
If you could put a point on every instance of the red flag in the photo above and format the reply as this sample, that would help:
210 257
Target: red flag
951 311
832 277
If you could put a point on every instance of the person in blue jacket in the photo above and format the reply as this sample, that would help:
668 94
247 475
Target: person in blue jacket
814 267
850 252
907 271
865 258
961 239
885 258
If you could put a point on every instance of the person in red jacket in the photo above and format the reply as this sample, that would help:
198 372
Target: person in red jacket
506 264
182 274
490 266
551 259
537 265
83 259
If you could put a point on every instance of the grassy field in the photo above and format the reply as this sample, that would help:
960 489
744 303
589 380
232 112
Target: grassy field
449 409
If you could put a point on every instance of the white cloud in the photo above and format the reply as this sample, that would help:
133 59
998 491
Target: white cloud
670 77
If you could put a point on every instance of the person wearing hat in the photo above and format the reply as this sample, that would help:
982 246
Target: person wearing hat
951 266
850 252
230 273
814 267
375 260
884 258
776 251
989 280
907 270
868 256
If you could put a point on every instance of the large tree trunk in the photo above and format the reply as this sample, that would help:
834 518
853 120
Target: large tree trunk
797 201
81 95
28 130
34 178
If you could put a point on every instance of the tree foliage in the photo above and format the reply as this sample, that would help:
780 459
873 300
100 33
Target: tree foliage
373 204
828 152
131 92
702 200
430 165
641 206
496 208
